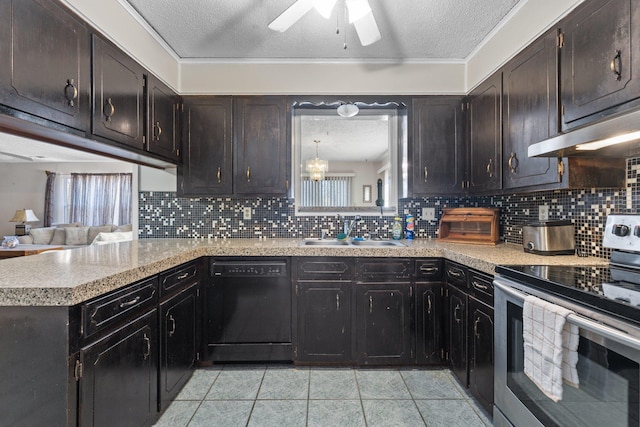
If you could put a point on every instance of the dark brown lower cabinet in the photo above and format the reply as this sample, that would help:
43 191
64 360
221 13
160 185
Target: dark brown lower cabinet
481 352
384 323
178 346
429 323
457 333
324 321
120 376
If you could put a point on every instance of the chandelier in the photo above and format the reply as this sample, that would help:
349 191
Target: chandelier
316 167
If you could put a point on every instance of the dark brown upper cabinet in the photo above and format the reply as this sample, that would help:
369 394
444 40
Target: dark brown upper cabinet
163 132
118 95
46 59
261 149
438 165
485 135
530 113
600 62
207 138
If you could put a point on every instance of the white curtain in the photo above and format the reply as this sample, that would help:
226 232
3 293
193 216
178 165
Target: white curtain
99 199
329 192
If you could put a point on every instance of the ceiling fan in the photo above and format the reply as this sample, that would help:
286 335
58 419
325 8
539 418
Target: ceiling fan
359 12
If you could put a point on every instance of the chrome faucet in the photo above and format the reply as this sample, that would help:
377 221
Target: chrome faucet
348 225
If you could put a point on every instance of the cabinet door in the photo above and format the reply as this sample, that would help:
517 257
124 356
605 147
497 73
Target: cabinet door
599 59
261 152
45 68
118 95
481 357
530 113
207 140
457 339
163 132
485 135
438 145
383 320
324 321
178 332
120 376
429 323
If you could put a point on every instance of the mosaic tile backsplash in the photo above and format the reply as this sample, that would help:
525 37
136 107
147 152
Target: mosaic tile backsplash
165 215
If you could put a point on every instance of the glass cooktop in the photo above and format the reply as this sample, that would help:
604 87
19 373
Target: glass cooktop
596 287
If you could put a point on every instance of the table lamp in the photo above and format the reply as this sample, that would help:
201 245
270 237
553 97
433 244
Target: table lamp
23 216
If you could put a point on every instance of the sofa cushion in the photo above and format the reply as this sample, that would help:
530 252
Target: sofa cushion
116 236
25 240
96 229
76 235
73 224
59 237
42 236
124 227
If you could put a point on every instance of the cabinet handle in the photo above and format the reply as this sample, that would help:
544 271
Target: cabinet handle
183 276
455 313
147 346
513 162
171 331
429 304
426 174
475 327
454 273
428 269
370 304
219 174
70 92
157 135
130 303
337 302
479 285
616 65
248 173
109 109
490 168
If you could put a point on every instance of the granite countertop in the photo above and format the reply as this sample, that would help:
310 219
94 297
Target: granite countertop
68 277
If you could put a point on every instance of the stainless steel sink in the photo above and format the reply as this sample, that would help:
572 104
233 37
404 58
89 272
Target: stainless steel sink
377 243
351 243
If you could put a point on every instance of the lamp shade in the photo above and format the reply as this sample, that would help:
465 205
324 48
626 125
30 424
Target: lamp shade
24 215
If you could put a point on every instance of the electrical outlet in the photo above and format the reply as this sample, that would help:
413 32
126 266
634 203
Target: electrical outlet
543 212
246 213
429 214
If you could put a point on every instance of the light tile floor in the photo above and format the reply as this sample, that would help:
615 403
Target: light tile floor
287 396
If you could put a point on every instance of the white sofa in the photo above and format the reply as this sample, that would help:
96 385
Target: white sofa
76 235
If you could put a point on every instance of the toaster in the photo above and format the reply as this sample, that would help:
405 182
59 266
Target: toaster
549 238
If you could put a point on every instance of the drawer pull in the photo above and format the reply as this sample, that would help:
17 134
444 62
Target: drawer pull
146 352
429 304
479 285
454 273
475 327
337 302
109 109
370 304
130 303
426 174
616 65
219 174
455 313
183 276
171 331
70 92
428 269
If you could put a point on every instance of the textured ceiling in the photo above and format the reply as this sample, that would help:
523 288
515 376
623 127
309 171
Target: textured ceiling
234 30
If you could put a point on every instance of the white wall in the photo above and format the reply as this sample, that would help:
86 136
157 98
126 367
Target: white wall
151 179
23 186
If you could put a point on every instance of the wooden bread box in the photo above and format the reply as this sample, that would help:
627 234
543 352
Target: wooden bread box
470 225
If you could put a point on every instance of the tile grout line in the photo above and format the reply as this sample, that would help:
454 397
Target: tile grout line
412 398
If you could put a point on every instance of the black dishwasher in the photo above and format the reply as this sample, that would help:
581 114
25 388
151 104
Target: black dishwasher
248 310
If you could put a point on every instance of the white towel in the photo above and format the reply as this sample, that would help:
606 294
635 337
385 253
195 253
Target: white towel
550 346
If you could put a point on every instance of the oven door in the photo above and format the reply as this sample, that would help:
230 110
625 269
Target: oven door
608 371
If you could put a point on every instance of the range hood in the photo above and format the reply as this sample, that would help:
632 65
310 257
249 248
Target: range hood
615 136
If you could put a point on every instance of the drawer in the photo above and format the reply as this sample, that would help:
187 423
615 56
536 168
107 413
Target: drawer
376 269
320 268
108 310
481 285
178 278
429 269
456 274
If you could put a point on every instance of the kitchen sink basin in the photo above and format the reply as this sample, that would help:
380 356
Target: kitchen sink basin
351 243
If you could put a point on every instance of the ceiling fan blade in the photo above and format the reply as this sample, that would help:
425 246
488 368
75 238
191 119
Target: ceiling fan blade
367 29
291 15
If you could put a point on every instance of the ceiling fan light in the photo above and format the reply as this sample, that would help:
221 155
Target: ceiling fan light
324 7
347 110
357 9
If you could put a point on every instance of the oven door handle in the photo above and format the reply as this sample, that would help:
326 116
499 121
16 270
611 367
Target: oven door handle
581 321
